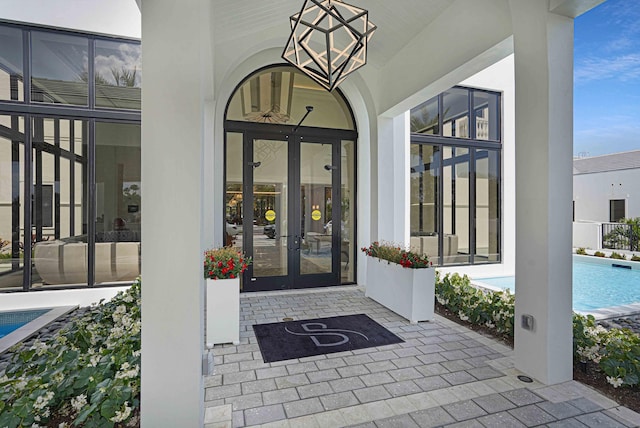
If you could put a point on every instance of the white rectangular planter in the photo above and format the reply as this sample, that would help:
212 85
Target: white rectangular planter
408 292
223 311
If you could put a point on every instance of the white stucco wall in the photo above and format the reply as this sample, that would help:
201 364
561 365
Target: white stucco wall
587 235
592 193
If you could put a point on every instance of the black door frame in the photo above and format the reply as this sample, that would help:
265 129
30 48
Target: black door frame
295 233
285 133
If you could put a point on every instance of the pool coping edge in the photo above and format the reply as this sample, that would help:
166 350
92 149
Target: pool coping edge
32 327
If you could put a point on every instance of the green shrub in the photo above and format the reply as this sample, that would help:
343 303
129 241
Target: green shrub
493 309
615 351
582 251
617 256
598 254
635 258
89 373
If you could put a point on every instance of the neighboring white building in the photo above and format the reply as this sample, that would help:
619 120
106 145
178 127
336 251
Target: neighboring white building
605 190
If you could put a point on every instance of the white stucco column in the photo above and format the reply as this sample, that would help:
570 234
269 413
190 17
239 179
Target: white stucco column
543 46
393 179
177 86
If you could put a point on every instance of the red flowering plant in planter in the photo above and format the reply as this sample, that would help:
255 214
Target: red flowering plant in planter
396 254
224 263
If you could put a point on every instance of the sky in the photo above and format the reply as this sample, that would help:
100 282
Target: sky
607 79
120 17
606 58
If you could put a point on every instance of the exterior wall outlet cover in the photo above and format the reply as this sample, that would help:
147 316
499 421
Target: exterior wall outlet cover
527 322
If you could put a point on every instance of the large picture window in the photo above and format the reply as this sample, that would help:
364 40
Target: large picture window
455 178
70 193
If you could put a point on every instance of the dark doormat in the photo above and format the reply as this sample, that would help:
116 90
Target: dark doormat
297 339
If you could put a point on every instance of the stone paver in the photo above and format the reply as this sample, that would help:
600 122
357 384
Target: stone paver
585 405
303 407
258 386
458 378
374 393
532 415
314 390
323 375
262 415
347 384
599 420
402 388
442 375
434 417
280 396
218 392
432 382
403 421
245 401
521 397
502 420
464 410
494 403
349 371
377 378
292 381
559 410
339 400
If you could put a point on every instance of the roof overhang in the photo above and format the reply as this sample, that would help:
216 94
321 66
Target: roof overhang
572 8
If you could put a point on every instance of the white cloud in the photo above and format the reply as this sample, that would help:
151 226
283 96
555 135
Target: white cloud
623 68
123 57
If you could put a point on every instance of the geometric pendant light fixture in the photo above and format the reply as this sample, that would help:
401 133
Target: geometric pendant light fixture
328 40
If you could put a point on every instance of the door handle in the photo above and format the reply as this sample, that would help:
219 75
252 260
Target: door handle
294 244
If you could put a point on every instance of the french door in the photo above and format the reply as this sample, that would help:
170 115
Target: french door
289 183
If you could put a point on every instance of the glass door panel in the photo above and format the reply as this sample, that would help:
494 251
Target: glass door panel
60 251
425 182
12 165
317 224
456 239
267 223
347 211
487 207
295 223
234 207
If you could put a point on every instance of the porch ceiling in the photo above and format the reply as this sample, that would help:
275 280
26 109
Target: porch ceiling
398 22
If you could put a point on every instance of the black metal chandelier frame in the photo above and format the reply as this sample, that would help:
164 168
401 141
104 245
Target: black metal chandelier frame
328 67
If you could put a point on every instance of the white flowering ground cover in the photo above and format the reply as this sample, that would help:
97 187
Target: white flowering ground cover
615 351
87 375
492 309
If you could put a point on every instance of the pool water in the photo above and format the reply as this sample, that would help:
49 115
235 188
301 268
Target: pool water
11 321
595 286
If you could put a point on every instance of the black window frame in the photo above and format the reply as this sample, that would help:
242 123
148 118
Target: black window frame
473 145
30 111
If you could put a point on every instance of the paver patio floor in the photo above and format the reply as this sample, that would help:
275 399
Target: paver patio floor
442 375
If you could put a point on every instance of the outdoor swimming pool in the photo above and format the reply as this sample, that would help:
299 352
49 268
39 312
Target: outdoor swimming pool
595 285
11 321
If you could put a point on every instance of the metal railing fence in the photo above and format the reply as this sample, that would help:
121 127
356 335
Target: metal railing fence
620 236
